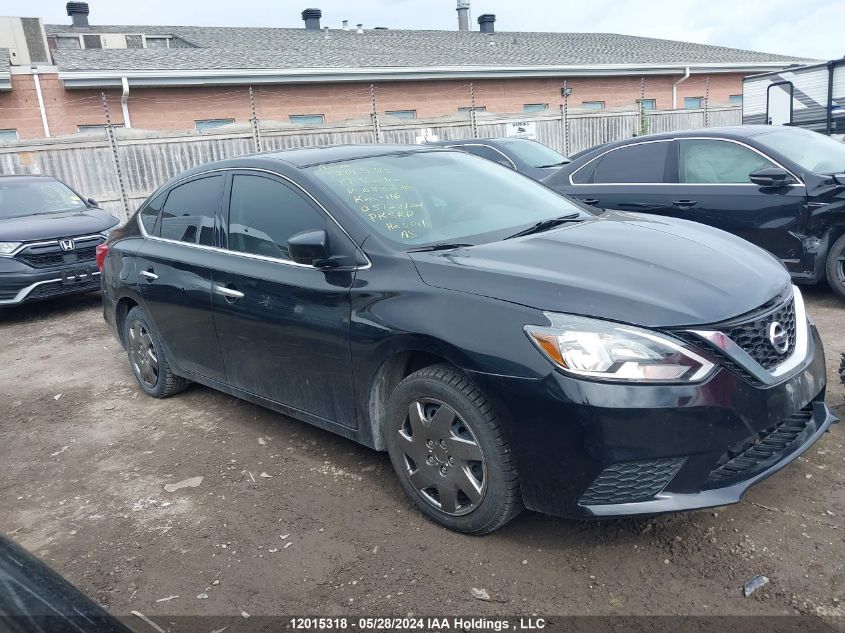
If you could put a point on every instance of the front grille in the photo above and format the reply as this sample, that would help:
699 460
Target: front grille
50 259
753 336
628 482
58 288
723 359
49 255
758 452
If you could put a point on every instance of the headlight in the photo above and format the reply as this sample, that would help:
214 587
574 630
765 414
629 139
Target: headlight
7 248
604 350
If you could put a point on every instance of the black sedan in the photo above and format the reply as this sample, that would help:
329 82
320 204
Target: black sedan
523 155
780 188
48 239
505 346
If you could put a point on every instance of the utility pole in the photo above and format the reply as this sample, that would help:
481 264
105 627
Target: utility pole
116 157
472 120
256 130
374 115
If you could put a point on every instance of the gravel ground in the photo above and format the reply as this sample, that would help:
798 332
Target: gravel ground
289 519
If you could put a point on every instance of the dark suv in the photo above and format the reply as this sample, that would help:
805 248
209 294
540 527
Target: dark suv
48 239
505 345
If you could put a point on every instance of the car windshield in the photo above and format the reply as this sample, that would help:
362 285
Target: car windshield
535 154
812 151
425 198
30 196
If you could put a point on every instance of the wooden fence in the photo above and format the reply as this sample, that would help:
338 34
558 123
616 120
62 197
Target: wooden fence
146 159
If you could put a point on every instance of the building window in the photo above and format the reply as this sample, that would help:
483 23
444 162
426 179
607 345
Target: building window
307 119
209 124
735 99
67 41
693 103
648 104
535 107
469 109
592 105
134 41
92 41
158 42
97 127
9 135
402 114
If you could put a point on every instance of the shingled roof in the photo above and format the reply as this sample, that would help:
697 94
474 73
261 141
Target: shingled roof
287 49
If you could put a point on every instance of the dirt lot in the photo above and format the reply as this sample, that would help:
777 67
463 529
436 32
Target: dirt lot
290 519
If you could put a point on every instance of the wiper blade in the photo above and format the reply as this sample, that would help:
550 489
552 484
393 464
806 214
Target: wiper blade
563 162
545 225
442 246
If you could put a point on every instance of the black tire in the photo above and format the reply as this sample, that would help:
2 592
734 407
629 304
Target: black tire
147 358
446 482
842 369
835 266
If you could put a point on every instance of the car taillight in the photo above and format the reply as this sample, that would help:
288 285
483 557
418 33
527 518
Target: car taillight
102 251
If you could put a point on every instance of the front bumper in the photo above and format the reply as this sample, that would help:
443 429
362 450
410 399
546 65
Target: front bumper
38 284
590 449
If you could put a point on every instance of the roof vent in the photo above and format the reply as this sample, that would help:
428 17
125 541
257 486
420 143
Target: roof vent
360 28
346 25
486 23
78 11
311 17
463 15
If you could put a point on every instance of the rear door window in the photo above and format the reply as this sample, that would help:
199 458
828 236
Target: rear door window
265 213
190 211
713 161
641 163
149 214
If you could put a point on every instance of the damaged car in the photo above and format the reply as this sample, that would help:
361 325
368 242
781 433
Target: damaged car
506 346
781 188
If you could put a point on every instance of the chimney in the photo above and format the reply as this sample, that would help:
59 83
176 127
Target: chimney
78 11
360 28
346 25
486 23
312 19
463 15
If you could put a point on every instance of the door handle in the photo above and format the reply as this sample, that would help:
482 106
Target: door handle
590 201
149 275
228 292
684 204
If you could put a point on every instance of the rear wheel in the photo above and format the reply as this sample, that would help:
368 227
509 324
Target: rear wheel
835 268
842 369
147 358
450 453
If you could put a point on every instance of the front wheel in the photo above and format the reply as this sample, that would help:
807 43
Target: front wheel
450 453
835 267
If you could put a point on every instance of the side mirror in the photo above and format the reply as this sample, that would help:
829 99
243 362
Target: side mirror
92 202
310 248
771 177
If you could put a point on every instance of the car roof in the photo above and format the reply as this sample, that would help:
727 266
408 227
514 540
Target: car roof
310 156
478 141
728 131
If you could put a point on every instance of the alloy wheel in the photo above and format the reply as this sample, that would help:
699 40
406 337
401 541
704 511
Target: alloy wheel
840 267
442 457
142 354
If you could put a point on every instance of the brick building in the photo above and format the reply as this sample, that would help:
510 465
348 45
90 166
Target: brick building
188 77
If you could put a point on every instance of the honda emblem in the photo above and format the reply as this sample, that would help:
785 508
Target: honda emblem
67 245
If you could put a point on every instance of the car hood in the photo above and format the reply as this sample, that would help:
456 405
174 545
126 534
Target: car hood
50 226
645 270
